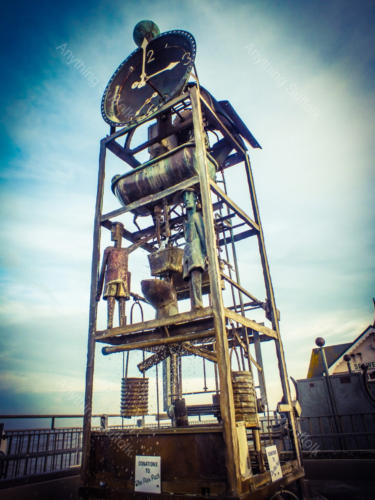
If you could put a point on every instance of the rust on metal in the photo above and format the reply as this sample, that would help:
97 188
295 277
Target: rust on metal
192 141
134 397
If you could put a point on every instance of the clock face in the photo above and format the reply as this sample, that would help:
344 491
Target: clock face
152 75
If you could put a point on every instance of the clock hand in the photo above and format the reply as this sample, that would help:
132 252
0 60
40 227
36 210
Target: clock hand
170 66
114 102
146 102
143 74
142 82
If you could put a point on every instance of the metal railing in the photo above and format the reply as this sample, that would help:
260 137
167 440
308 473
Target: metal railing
38 451
30 452
358 431
319 433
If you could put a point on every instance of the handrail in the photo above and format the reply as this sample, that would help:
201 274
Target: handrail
56 415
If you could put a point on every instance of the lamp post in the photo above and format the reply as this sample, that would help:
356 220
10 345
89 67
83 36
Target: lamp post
320 343
347 359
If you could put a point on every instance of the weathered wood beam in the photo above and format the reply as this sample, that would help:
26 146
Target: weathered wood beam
249 306
274 312
199 351
177 319
159 333
158 342
231 204
89 385
237 237
123 154
245 292
222 352
244 347
249 323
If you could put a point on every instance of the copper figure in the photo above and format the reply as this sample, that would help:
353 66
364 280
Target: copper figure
114 273
194 261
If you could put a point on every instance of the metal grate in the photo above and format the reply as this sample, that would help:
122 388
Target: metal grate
38 451
358 432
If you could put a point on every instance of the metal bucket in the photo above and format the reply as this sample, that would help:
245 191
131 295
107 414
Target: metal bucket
166 261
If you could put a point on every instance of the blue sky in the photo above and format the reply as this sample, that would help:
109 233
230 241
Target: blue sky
299 73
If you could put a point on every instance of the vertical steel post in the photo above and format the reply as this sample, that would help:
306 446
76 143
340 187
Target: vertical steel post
330 391
157 394
258 357
274 314
226 391
93 313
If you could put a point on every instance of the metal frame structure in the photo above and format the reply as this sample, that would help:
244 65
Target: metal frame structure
219 320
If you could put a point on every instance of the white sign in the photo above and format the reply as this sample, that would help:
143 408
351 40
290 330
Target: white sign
274 463
147 474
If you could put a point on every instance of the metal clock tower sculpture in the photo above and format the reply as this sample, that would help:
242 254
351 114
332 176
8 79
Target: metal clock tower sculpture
178 208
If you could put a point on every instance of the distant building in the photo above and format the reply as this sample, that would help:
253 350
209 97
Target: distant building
338 411
361 351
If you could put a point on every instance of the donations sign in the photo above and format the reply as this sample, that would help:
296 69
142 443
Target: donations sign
147 474
274 463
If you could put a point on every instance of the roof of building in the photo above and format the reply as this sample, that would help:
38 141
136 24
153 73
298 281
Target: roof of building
333 352
355 344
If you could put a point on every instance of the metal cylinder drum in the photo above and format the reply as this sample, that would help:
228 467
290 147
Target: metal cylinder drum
156 175
245 400
180 413
134 397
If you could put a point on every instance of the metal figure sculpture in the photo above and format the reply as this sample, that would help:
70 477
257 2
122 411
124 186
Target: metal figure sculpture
114 272
194 261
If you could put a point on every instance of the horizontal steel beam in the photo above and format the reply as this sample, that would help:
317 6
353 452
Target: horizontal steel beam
151 198
177 319
232 205
237 237
121 153
157 342
249 323
245 292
